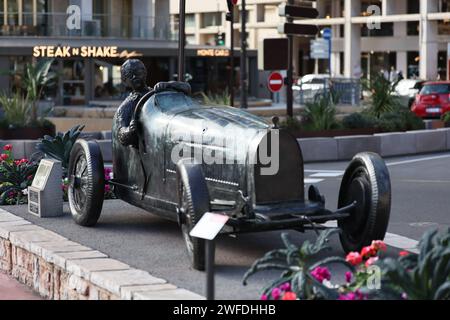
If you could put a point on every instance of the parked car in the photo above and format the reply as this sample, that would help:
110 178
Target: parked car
433 100
244 189
407 90
311 85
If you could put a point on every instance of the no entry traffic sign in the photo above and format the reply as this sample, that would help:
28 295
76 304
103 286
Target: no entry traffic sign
275 82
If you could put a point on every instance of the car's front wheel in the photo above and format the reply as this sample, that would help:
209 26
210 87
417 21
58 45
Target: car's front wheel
194 202
367 183
86 182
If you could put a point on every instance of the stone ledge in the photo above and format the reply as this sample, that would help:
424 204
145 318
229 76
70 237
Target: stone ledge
60 269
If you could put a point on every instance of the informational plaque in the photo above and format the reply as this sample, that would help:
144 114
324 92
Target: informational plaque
45 198
209 226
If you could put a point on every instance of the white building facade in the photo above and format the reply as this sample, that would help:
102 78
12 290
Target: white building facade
410 36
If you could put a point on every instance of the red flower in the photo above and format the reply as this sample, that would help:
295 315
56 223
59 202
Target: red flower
371 261
368 252
379 245
354 258
321 274
8 147
289 296
4 157
403 253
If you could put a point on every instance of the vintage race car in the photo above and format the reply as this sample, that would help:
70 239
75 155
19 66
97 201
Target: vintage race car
192 159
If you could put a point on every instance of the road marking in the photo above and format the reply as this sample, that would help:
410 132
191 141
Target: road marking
313 181
330 171
391 239
326 175
417 160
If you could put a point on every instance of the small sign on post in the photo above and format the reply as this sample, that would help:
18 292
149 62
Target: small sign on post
275 82
208 228
45 198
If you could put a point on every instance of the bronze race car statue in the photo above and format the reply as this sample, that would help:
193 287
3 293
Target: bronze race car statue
187 159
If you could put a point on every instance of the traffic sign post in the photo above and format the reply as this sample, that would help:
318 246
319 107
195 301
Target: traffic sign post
275 82
291 12
327 35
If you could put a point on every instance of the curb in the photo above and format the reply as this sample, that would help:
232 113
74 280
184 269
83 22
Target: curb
60 269
386 144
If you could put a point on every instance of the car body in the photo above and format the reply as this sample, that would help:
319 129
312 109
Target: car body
407 90
168 174
433 100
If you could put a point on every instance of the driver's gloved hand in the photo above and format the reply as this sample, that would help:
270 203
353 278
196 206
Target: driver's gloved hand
133 127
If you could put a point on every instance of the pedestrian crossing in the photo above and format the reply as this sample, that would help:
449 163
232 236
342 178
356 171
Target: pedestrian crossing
318 176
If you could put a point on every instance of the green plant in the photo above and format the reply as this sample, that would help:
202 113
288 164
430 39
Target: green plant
34 80
321 114
16 110
59 147
425 276
222 99
446 117
15 177
298 267
291 124
400 120
359 121
382 99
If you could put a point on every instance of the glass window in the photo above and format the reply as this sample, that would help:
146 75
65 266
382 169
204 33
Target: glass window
212 19
174 102
190 21
435 89
108 84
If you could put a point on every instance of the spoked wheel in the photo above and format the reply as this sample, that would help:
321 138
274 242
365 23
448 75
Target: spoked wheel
86 183
193 204
366 182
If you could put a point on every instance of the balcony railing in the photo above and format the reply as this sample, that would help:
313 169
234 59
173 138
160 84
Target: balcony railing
96 26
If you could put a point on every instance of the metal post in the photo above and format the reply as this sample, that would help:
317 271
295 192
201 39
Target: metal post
232 59
244 80
290 71
182 41
210 264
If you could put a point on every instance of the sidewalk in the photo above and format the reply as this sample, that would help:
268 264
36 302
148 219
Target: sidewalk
11 289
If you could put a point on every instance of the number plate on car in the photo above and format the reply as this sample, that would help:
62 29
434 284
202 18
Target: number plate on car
434 110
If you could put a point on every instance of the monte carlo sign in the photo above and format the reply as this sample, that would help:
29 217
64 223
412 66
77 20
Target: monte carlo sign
83 52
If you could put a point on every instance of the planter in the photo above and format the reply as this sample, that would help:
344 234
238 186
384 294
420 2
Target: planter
300 134
30 133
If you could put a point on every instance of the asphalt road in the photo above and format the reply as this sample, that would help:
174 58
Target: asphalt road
420 201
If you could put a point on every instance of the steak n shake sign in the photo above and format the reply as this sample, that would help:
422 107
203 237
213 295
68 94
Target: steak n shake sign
83 52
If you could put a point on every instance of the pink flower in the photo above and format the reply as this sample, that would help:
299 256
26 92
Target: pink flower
276 294
368 252
353 296
371 261
4 157
289 296
107 188
348 276
286 287
8 147
264 297
354 258
404 296
403 253
379 245
321 274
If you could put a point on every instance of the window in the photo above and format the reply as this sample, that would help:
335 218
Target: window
435 89
23 17
190 21
212 19
386 30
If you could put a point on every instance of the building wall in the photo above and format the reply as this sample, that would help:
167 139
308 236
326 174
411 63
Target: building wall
345 17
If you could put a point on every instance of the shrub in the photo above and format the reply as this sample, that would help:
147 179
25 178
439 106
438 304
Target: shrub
16 110
359 121
425 276
59 147
446 117
321 114
15 177
219 99
382 99
291 124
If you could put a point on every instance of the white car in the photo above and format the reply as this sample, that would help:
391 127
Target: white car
407 90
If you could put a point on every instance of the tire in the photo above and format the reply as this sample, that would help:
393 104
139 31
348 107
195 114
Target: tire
194 202
86 183
367 182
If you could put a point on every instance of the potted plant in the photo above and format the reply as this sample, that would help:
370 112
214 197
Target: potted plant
21 119
446 119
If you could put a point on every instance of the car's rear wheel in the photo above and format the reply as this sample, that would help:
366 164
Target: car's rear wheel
86 183
194 202
366 182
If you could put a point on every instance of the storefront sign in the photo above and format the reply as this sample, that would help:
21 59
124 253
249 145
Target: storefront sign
213 53
83 52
